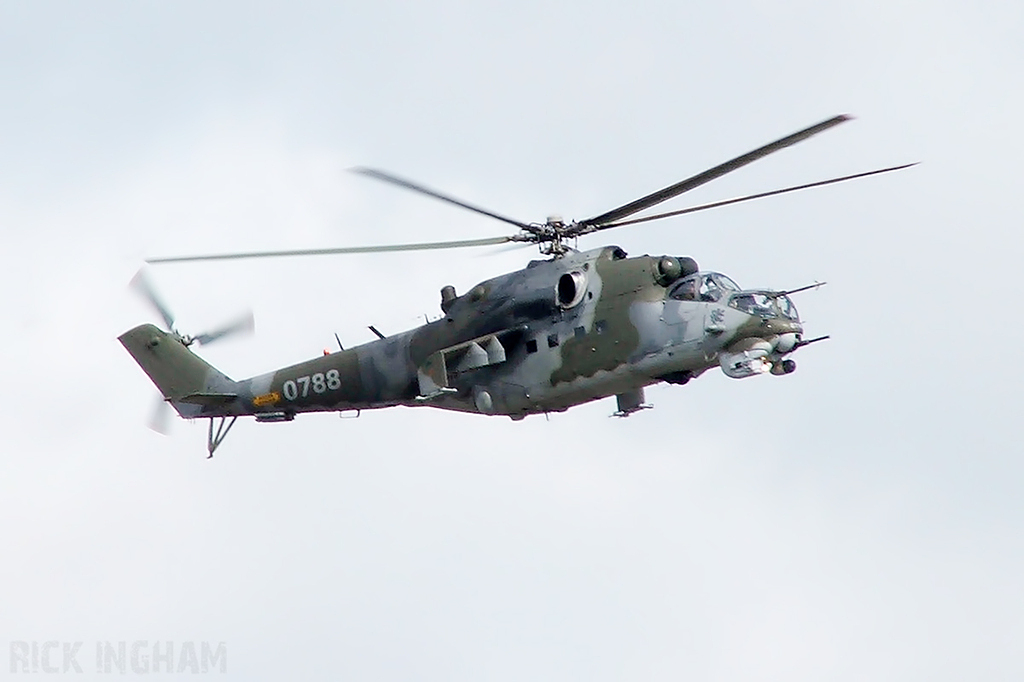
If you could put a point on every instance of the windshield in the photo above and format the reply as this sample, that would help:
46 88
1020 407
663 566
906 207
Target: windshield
713 286
787 308
725 282
764 305
754 304
685 290
707 286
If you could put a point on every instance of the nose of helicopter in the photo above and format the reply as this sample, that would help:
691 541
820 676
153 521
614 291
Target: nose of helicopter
785 327
783 335
760 346
787 341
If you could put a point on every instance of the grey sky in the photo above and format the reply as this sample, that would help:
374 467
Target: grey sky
859 519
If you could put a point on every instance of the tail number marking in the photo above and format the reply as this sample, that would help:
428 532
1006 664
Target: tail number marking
319 382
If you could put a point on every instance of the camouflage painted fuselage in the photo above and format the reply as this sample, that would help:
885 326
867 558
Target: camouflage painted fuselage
558 333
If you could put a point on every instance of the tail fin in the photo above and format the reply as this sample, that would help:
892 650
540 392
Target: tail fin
186 381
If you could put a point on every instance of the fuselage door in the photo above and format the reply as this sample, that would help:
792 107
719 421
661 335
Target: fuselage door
685 312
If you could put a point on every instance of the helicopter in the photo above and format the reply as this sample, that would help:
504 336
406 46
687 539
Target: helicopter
570 328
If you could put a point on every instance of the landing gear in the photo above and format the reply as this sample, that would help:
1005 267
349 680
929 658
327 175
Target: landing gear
630 402
213 440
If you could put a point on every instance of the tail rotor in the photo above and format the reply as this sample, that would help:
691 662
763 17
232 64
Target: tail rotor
160 419
246 324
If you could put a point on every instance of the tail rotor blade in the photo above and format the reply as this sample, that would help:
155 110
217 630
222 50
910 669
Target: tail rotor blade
141 284
243 325
160 420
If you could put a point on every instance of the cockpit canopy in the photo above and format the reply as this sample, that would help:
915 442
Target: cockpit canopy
711 287
703 286
765 304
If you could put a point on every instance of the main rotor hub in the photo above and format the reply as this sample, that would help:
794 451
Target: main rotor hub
552 235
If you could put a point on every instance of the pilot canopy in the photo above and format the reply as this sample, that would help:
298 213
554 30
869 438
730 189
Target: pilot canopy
709 287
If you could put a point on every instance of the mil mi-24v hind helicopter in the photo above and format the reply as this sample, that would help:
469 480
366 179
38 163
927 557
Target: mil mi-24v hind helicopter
566 330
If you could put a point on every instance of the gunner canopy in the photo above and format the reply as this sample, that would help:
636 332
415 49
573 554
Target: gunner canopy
764 304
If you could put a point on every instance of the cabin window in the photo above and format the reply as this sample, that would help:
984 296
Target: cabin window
552 340
787 307
579 331
725 282
685 290
754 304
709 290
531 346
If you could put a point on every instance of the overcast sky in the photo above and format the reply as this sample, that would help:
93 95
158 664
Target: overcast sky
859 519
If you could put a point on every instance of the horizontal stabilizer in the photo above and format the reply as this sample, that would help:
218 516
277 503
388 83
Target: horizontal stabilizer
207 399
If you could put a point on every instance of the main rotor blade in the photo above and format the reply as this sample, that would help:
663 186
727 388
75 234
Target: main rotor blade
387 177
761 195
244 325
710 174
142 285
426 246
